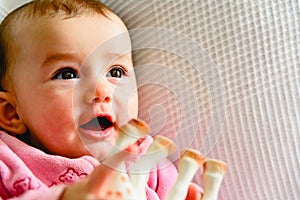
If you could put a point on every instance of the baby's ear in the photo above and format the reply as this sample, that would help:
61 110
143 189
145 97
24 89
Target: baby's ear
9 118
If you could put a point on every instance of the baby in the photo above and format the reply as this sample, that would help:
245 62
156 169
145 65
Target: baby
67 79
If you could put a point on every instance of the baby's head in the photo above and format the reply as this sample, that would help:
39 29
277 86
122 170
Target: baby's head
66 76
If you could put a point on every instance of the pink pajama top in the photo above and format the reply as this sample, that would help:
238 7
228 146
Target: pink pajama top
29 173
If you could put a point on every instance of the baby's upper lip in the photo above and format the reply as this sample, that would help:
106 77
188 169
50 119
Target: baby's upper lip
100 122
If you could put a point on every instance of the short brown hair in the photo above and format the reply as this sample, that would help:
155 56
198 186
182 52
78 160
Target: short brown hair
40 8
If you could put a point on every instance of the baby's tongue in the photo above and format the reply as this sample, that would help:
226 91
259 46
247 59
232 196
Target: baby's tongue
98 124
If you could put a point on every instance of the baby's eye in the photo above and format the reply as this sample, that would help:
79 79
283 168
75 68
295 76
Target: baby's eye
116 72
66 73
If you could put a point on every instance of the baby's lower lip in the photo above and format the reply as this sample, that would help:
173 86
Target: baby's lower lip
96 134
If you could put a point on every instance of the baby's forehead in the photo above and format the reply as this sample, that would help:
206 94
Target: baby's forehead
30 23
64 33
41 24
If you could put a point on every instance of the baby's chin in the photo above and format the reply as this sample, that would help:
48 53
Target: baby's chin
100 150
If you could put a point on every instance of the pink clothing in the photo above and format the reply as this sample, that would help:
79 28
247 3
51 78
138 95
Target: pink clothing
29 173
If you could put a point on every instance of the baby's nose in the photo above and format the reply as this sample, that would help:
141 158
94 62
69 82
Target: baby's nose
102 93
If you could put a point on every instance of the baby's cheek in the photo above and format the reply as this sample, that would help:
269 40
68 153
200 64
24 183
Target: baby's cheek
133 106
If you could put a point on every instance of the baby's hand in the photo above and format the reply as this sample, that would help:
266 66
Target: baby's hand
107 181
95 185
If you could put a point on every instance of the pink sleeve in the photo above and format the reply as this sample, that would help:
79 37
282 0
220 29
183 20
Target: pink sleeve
161 180
52 193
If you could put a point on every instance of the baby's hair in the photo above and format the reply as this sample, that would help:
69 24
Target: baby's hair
40 9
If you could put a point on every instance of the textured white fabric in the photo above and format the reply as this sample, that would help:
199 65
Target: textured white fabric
247 106
255 46
8 5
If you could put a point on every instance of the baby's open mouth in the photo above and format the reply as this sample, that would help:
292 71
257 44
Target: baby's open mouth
100 123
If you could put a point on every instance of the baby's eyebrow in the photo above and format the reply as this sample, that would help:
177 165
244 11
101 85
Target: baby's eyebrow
117 55
61 57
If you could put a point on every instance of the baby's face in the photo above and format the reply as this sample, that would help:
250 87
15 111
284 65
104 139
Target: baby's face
72 81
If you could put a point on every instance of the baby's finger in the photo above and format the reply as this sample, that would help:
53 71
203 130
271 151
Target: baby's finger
102 173
194 192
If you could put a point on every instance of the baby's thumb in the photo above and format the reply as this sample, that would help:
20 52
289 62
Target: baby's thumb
103 172
126 148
